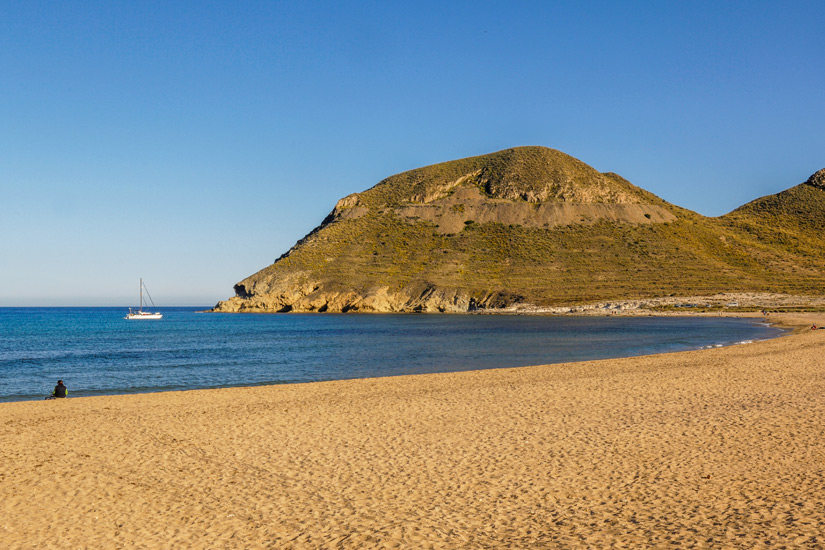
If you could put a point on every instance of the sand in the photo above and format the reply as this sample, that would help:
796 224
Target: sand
720 448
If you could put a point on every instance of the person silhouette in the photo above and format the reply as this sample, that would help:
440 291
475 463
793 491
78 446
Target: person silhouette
60 390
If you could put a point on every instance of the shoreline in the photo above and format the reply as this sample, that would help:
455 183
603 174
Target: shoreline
720 302
720 447
724 304
77 394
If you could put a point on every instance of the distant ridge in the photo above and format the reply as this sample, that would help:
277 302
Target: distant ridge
532 225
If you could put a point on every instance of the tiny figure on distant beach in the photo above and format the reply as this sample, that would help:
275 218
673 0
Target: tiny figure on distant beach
60 391
813 327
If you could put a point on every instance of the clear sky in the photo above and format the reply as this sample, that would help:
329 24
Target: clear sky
192 143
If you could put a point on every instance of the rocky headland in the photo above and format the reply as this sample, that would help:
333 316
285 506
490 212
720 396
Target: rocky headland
532 229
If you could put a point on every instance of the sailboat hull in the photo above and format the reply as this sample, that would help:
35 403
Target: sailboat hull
143 315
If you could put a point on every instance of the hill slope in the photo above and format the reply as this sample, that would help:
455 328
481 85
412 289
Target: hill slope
529 225
787 232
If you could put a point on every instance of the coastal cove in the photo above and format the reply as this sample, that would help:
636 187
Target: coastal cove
715 448
97 352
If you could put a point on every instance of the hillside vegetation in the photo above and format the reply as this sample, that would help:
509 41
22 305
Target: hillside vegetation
533 225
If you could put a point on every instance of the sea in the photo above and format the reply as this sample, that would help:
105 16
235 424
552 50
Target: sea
95 351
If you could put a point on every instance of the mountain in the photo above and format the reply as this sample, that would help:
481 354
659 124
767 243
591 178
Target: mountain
533 225
792 219
786 231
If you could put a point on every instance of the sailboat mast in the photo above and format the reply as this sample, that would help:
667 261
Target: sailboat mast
141 295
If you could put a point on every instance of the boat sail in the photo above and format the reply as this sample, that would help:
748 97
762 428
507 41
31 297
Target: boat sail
140 314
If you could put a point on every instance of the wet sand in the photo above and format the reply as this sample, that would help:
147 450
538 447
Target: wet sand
708 449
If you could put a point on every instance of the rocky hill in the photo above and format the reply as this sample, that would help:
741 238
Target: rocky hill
533 225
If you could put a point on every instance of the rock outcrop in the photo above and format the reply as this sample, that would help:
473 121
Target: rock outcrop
817 179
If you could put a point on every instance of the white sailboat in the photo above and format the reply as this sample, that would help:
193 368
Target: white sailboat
140 314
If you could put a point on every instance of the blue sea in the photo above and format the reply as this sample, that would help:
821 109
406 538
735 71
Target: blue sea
97 352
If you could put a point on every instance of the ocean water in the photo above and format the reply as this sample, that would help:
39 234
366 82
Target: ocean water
97 352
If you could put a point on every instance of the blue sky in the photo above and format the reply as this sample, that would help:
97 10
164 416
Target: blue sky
191 143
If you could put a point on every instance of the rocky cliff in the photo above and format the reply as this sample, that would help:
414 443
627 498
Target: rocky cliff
525 225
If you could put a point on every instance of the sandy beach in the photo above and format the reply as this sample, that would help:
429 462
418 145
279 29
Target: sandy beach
721 448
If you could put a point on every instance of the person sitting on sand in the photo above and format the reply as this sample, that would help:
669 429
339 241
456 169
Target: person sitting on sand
60 390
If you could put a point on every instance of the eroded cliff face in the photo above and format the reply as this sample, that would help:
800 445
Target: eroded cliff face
374 300
299 294
466 203
522 226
